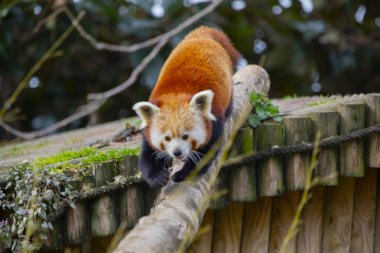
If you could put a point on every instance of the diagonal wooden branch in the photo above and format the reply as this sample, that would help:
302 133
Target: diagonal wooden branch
177 215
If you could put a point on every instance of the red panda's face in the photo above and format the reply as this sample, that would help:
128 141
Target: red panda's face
178 130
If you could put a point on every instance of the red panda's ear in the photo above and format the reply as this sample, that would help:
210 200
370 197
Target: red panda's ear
146 111
202 103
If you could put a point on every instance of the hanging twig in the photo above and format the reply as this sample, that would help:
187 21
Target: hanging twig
150 42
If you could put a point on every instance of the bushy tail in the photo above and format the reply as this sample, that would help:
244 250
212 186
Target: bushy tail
208 32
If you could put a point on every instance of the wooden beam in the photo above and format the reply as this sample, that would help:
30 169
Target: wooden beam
174 221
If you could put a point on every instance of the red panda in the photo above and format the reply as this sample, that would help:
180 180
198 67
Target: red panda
188 105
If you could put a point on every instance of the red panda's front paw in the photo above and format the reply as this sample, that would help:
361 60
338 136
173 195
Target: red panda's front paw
159 179
179 176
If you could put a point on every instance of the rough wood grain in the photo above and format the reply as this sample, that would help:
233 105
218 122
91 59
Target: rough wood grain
256 226
352 117
310 235
227 228
243 179
131 198
377 218
220 197
103 210
270 173
363 221
56 237
373 105
180 208
326 124
337 221
297 130
77 224
203 241
283 210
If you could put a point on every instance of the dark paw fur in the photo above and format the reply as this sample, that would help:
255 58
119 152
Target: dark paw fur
158 179
179 176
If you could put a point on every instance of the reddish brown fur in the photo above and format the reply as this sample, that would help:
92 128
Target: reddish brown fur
202 61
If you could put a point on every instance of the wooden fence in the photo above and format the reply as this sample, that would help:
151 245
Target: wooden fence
341 216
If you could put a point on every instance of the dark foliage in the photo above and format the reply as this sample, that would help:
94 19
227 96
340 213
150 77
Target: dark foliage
333 47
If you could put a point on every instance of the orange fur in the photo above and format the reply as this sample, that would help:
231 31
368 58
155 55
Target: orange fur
202 61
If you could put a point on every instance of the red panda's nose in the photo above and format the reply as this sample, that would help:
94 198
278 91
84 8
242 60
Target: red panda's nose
177 153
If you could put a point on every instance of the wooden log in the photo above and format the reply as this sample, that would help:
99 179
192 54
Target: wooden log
56 237
283 211
77 224
100 244
326 124
132 197
256 226
373 105
204 238
352 117
227 229
220 196
179 211
309 238
377 218
337 221
103 210
297 130
2 248
270 173
243 179
363 221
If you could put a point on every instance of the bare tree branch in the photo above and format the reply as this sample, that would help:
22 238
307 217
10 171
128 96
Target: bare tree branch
132 48
99 98
38 65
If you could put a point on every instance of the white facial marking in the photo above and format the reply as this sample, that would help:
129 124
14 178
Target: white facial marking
156 137
179 145
198 133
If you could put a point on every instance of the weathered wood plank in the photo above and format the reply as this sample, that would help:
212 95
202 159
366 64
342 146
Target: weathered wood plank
56 237
256 226
352 117
337 220
363 221
310 235
243 179
221 196
77 224
103 210
270 174
203 242
132 197
283 210
227 229
373 105
326 124
377 218
297 130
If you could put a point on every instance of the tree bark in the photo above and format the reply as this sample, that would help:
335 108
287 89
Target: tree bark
179 209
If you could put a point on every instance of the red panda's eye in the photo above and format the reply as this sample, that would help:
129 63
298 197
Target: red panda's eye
167 138
185 136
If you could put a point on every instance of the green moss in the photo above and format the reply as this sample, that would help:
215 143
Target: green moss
89 155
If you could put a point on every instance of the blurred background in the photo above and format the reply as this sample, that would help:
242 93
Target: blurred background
318 47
